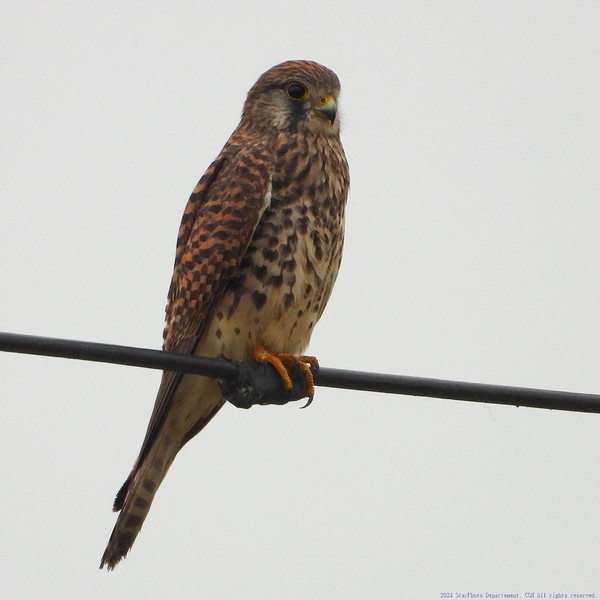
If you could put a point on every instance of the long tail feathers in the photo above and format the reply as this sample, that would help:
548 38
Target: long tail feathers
134 500
137 493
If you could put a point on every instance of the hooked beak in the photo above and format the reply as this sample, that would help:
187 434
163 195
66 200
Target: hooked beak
327 108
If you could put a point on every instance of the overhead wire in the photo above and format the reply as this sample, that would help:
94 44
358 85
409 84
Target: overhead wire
247 383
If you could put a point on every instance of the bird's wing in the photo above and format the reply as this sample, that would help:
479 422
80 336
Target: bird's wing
217 226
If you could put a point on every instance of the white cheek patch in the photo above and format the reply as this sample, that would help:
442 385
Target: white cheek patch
281 112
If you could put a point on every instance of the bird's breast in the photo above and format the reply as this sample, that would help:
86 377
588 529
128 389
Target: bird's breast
291 264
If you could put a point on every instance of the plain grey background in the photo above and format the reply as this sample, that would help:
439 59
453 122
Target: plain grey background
473 134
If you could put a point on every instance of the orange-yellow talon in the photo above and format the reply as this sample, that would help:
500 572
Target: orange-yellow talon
311 360
275 360
304 363
310 378
307 364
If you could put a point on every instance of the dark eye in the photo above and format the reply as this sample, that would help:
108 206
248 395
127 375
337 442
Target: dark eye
297 91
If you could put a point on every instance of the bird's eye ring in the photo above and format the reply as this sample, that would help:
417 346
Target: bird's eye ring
297 91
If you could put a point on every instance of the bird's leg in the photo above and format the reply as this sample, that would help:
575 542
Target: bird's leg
277 360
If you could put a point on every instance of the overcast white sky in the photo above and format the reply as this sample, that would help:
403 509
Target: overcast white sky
473 134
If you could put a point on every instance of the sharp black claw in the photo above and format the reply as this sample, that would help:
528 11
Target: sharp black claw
310 399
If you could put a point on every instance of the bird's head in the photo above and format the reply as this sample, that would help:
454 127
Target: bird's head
297 94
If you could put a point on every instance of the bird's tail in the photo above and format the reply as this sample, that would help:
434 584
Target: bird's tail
134 500
166 435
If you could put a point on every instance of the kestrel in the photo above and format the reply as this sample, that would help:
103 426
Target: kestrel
258 252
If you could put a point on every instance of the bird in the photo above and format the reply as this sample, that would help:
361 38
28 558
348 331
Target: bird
258 252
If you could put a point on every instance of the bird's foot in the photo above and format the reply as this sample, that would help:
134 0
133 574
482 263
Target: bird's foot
306 364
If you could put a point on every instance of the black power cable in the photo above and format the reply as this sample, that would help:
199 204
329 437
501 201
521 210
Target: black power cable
248 383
